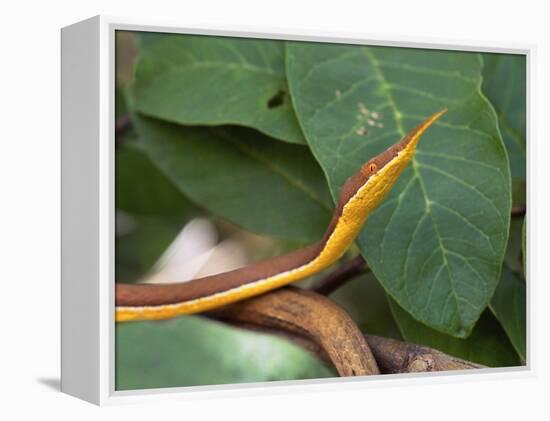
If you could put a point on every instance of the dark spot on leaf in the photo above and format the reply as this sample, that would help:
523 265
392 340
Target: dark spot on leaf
277 100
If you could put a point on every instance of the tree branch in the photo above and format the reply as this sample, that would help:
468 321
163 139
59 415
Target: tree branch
344 273
317 324
518 211
122 124
307 316
395 356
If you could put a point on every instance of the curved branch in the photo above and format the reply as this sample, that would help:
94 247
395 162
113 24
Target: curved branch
395 356
317 324
303 315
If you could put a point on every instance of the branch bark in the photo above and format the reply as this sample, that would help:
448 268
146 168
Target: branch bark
518 211
302 315
344 273
122 124
395 356
317 324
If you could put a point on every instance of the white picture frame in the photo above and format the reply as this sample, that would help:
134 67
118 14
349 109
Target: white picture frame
88 53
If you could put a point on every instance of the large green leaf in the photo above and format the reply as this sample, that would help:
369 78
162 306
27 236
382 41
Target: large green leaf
264 186
509 306
364 300
192 351
121 106
487 345
209 80
524 248
509 303
513 256
504 83
437 242
141 189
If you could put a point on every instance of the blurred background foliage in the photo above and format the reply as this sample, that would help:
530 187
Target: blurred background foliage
232 150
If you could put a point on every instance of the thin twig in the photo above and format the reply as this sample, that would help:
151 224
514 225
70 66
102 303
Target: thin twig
344 273
395 356
518 211
122 124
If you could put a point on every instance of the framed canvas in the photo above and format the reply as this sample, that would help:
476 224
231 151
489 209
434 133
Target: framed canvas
246 211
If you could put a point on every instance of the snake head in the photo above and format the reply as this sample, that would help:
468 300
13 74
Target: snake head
388 164
405 146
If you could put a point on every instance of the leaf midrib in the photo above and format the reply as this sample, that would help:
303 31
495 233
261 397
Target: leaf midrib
276 169
206 64
398 117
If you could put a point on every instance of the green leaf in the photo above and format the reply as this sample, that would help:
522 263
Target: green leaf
365 301
519 188
514 248
437 242
121 106
504 83
524 248
509 306
192 351
487 345
141 189
206 80
262 185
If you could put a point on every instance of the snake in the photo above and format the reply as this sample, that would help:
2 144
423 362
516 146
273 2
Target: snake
359 196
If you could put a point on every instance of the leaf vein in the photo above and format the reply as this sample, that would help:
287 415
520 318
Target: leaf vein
280 171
